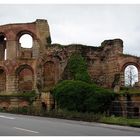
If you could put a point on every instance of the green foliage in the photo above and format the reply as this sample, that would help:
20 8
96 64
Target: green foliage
64 93
77 68
120 121
130 91
25 94
82 97
100 100
73 115
29 95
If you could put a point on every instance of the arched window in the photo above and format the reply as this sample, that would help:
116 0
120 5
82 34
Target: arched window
26 41
131 75
3 51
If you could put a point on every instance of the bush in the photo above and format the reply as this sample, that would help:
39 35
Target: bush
82 97
99 101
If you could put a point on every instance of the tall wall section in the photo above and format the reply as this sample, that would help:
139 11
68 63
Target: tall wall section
44 64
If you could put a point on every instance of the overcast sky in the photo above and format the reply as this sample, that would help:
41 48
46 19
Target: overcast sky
84 24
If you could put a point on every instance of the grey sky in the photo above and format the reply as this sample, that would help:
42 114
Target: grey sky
85 24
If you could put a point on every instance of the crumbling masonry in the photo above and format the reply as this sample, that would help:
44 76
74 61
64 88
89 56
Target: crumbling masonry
39 68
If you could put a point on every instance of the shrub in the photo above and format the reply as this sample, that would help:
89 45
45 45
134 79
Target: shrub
82 97
73 115
70 94
99 101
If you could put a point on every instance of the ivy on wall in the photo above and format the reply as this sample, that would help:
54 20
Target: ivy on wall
77 69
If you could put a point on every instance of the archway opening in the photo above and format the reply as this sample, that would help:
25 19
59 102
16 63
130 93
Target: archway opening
44 106
3 50
26 41
25 79
2 80
131 75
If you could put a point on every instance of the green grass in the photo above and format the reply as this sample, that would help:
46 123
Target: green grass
73 115
26 94
91 117
130 91
120 121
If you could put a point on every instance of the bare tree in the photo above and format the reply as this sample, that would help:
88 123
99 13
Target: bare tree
131 75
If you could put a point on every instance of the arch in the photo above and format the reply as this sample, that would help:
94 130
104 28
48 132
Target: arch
49 74
24 78
2 79
130 63
58 57
123 73
130 75
19 68
26 32
22 32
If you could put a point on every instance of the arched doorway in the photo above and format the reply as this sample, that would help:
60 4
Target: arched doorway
25 78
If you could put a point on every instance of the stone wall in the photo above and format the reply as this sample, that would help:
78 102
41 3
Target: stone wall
39 68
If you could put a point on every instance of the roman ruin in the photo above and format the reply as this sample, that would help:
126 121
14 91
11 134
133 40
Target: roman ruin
40 67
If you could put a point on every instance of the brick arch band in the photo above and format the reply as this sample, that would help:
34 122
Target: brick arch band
123 70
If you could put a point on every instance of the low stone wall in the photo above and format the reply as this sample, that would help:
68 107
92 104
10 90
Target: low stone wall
45 102
8 103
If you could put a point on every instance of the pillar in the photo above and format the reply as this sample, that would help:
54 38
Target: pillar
11 47
35 49
122 79
11 84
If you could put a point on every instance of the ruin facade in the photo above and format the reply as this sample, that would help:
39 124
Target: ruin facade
41 67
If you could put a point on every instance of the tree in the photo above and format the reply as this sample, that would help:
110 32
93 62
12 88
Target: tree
131 75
